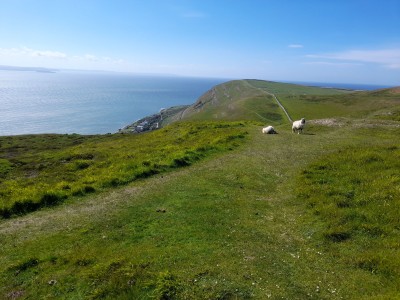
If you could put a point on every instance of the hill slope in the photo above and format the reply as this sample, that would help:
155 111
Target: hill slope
246 100
275 103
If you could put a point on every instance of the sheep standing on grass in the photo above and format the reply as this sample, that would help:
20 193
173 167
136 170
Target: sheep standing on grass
298 126
269 130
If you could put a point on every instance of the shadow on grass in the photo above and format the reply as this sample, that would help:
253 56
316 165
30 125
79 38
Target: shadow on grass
22 208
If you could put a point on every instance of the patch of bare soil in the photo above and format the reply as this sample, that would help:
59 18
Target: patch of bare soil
395 90
362 123
331 122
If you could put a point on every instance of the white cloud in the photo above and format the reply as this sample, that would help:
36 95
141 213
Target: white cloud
24 51
50 54
47 57
296 46
389 58
329 63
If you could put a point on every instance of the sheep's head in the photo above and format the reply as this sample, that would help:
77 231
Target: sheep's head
303 120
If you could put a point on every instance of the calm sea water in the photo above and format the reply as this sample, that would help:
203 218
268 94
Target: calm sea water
93 103
88 103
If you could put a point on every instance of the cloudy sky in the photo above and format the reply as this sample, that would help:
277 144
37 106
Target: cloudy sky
342 41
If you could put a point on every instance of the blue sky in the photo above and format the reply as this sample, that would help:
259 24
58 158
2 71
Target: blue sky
344 41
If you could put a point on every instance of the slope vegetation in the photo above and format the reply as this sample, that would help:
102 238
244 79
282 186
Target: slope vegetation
248 100
235 100
45 170
253 100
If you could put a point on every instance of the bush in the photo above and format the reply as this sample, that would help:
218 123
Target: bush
167 286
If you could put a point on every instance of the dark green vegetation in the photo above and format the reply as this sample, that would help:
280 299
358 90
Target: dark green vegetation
312 216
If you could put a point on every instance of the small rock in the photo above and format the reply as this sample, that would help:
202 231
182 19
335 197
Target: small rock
52 282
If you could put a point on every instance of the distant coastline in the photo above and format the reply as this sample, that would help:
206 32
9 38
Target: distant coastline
28 69
343 86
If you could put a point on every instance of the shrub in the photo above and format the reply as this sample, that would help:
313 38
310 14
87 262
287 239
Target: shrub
166 287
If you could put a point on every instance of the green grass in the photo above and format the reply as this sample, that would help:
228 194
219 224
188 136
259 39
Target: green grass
280 89
250 100
41 171
356 194
354 105
237 226
318 103
286 216
236 100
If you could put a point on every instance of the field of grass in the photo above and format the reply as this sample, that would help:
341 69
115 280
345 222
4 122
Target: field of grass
44 170
286 216
279 88
282 216
356 192
318 103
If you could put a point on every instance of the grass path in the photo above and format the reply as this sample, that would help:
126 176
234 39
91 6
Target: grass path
282 107
276 99
225 228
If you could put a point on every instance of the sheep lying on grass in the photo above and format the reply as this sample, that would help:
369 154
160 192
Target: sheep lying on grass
269 130
298 126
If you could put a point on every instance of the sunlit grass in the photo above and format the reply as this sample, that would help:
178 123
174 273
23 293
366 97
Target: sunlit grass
56 169
355 194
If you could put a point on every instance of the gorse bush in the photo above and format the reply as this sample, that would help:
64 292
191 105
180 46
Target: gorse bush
37 176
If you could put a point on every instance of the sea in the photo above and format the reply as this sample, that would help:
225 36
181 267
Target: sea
69 102
83 102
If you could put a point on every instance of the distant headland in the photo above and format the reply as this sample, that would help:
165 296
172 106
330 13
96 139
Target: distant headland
29 69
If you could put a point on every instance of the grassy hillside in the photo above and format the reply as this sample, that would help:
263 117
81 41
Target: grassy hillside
248 100
252 100
318 103
44 170
311 216
235 100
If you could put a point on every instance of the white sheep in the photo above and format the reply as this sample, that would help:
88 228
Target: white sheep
298 126
269 130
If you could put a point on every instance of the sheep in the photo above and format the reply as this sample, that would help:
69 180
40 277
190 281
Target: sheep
298 126
269 130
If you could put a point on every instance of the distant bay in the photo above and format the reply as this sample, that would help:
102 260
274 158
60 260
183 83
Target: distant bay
88 102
